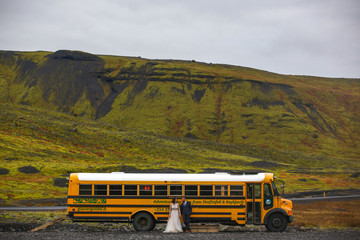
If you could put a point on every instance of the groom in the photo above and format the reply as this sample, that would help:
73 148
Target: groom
186 210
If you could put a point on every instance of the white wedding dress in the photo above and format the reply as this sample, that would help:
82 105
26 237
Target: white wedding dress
174 224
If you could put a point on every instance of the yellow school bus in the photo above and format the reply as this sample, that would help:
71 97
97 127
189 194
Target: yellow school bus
144 198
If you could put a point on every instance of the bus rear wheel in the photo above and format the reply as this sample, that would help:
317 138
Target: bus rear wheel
276 223
143 222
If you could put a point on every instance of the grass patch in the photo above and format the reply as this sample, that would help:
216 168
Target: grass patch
328 214
31 216
47 141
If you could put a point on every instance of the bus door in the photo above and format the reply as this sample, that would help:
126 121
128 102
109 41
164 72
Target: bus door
253 203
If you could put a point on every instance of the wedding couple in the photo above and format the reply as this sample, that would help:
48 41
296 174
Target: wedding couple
174 223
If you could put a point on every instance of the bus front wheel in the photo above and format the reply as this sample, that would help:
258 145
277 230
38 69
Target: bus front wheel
143 222
276 223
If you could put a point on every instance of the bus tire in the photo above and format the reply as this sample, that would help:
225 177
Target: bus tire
276 223
143 222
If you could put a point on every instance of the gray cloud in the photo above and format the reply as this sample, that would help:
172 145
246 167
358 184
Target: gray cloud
292 37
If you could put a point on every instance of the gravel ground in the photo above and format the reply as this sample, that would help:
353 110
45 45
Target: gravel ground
78 231
328 235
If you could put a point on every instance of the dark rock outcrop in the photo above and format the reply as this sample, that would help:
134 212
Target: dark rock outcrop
60 182
28 170
73 55
4 171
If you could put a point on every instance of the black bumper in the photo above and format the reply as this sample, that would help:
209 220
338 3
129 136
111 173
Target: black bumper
290 219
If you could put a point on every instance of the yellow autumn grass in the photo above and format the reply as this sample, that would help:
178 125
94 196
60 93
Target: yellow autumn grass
332 214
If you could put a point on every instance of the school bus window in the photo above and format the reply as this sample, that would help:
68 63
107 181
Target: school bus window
130 190
221 190
100 189
236 190
268 196
206 190
191 190
249 191
257 190
160 190
145 190
267 190
85 189
115 190
176 190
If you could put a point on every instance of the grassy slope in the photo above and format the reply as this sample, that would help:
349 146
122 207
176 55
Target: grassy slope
57 144
221 103
309 125
240 105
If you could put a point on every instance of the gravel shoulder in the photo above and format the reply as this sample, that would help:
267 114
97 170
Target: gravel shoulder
329 235
123 231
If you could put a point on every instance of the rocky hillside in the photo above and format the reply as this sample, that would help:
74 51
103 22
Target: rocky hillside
221 103
71 111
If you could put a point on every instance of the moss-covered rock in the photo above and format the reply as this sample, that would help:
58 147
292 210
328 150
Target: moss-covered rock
28 170
4 171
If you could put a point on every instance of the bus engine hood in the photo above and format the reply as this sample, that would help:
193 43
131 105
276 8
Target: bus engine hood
287 205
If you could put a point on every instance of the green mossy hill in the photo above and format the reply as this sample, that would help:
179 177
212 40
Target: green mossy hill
220 103
39 148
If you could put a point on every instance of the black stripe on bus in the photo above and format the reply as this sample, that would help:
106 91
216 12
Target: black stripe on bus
210 219
85 217
74 212
113 205
241 213
241 219
152 197
198 213
193 219
210 213
202 219
149 206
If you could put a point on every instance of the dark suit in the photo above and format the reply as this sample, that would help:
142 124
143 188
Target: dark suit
186 211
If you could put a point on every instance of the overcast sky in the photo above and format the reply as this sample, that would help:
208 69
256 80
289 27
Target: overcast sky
303 37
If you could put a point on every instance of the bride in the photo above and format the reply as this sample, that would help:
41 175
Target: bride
174 224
